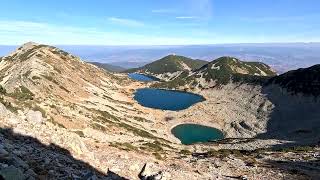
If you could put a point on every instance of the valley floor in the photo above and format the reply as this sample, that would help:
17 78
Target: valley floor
30 146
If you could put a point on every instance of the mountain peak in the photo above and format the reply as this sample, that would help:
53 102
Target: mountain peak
233 65
32 51
25 47
222 71
170 64
227 59
30 44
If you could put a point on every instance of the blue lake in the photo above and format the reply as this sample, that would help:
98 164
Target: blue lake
194 133
142 77
166 99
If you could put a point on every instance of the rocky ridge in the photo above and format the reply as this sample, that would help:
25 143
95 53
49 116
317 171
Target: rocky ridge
87 124
221 71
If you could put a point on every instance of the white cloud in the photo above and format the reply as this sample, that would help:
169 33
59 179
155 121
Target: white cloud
126 22
19 32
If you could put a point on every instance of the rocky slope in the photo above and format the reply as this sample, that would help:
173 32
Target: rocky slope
305 81
248 99
169 66
43 81
221 71
62 118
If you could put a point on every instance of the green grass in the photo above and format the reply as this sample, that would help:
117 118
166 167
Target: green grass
140 119
56 69
38 108
185 152
25 56
157 156
98 127
224 153
50 78
80 133
124 146
297 149
59 52
56 123
105 115
35 78
22 93
27 73
8 105
137 131
155 146
2 90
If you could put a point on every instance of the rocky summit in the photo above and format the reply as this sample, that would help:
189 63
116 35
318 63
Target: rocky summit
63 118
169 66
221 71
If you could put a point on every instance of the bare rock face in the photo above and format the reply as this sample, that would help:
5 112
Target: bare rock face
35 117
78 146
3 111
6 114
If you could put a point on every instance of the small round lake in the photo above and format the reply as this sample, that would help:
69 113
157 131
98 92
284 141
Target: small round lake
142 77
194 133
166 99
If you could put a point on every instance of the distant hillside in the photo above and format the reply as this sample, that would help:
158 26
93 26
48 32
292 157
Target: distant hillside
222 71
304 80
170 64
108 67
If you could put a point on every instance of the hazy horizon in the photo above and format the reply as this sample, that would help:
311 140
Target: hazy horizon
282 57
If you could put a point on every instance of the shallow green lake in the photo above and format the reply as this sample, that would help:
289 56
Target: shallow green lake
194 133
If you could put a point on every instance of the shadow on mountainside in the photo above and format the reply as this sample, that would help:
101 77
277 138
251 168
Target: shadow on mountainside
306 169
294 118
24 157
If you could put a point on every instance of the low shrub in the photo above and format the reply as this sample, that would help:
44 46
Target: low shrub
2 90
22 93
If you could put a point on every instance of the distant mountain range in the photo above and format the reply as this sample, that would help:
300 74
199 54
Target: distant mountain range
109 67
280 56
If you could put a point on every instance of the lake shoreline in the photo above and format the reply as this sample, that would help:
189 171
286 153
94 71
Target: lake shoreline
168 100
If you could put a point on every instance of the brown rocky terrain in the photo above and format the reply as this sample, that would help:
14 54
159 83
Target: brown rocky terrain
62 118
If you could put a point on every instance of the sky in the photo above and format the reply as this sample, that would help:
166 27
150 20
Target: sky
158 22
